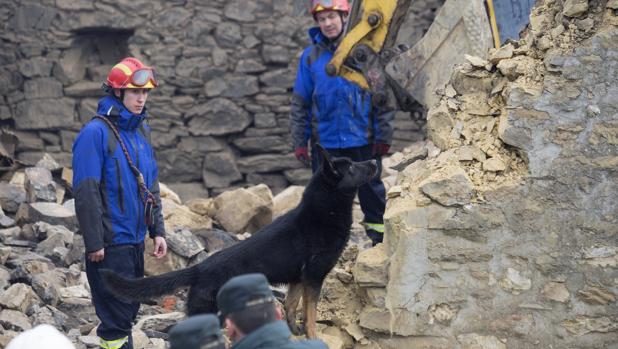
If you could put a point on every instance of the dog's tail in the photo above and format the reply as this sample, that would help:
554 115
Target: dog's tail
143 289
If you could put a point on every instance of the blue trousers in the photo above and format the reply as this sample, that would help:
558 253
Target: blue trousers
116 316
372 195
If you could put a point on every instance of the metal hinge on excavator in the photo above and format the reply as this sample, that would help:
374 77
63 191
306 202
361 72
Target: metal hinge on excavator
368 46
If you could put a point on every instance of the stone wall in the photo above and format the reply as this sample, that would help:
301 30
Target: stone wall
504 235
220 115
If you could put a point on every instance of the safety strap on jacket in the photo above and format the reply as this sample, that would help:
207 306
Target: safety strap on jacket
145 195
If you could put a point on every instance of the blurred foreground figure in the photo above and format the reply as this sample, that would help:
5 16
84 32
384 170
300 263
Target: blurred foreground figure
252 319
42 336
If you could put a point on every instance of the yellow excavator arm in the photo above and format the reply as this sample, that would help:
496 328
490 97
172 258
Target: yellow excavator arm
368 45
400 77
372 23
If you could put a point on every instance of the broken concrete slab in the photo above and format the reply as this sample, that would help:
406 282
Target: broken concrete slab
48 212
450 186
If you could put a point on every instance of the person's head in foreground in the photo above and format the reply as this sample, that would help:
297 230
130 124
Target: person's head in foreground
247 303
197 332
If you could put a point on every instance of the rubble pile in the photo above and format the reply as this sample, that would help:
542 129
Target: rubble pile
42 277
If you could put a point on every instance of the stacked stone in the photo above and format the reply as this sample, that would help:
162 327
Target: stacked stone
220 116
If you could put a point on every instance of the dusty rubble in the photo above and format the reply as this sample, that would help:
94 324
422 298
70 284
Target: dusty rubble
501 227
42 274
42 255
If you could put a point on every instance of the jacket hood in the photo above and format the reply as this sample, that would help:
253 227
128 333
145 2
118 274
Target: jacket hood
113 108
316 36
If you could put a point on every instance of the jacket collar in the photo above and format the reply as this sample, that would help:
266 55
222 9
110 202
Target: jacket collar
113 108
319 39
265 336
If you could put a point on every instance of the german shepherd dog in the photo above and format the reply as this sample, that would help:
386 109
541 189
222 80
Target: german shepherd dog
298 249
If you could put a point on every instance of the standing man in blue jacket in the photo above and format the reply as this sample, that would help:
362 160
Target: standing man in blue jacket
338 113
115 208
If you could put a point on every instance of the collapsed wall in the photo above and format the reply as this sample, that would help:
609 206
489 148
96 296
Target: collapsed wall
503 233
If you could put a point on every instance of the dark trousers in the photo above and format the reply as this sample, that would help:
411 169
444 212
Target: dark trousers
116 315
372 196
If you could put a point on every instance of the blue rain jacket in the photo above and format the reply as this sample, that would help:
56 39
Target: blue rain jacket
332 110
109 209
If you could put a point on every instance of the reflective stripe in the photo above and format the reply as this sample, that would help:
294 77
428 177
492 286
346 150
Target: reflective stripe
377 227
115 344
126 70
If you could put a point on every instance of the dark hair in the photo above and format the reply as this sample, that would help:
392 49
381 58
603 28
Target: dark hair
254 317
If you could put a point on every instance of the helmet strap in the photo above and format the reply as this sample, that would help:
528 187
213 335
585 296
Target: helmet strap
119 98
113 93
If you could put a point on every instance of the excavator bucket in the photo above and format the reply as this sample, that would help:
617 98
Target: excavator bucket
460 27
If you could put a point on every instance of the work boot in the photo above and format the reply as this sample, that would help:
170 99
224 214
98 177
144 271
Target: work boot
375 236
121 343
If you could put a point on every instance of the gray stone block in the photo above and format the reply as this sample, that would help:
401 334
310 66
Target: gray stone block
48 212
268 144
44 114
220 170
11 196
267 163
219 116
42 88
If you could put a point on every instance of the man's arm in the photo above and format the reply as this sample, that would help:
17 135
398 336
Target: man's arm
300 116
87 170
157 229
383 125
158 226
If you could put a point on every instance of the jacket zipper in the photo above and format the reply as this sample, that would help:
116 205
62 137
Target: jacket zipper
139 201
120 191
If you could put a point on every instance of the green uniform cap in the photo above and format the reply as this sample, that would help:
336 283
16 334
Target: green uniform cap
243 291
200 331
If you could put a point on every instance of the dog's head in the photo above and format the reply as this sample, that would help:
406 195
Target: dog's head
344 173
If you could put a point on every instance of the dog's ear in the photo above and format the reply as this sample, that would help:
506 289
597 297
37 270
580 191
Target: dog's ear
326 162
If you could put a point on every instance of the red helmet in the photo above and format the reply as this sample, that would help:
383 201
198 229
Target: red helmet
131 73
332 5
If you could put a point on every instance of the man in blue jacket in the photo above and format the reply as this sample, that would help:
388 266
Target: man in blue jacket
338 113
113 207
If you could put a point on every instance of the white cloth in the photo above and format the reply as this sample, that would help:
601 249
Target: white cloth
42 336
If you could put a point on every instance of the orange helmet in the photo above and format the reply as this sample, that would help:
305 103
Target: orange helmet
332 5
131 73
